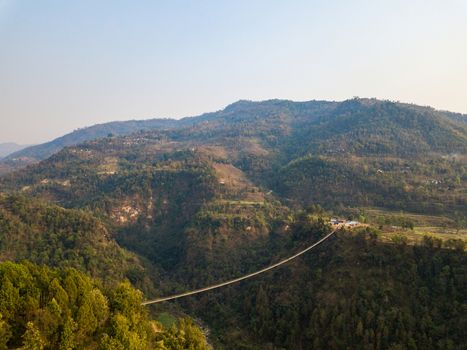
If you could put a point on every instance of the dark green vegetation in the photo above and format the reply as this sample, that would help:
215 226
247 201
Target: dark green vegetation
57 237
42 308
354 292
183 204
426 185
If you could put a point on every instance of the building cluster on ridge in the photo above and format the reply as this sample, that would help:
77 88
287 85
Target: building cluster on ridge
345 223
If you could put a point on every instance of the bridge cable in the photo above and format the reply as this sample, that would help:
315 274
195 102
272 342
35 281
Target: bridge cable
235 280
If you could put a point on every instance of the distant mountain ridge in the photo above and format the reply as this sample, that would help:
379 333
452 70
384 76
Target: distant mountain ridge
8 148
374 152
235 111
42 151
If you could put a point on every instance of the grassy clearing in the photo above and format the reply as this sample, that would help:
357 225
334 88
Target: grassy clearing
239 202
108 166
416 235
423 225
166 319
421 220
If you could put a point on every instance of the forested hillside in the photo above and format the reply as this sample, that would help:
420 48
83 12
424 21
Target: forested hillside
379 154
362 126
183 204
53 236
352 293
427 185
41 308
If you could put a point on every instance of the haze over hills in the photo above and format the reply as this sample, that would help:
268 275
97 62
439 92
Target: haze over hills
42 151
309 110
179 204
9 148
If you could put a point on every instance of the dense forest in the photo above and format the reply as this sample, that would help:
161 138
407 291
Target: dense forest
42 308
352 293
129 211
57 237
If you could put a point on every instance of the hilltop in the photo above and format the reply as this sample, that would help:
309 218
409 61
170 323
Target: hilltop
378 153
323 117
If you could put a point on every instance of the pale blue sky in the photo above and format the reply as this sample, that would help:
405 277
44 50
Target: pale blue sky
69 64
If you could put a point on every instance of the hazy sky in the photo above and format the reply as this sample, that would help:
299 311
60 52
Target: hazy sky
69 64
